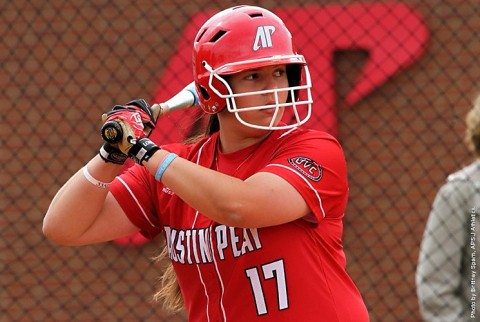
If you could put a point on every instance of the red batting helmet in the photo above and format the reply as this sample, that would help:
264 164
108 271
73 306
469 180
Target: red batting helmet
242 38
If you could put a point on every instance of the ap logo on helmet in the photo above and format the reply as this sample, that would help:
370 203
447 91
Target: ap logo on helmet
263 38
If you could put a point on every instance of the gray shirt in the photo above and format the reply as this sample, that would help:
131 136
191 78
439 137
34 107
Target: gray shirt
446 276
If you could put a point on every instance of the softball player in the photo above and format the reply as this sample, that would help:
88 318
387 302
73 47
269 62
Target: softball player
251 212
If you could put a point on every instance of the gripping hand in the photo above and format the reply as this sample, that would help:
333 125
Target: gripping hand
125 124
125 130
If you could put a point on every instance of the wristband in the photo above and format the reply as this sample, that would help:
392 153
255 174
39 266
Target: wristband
142 150
94 181
164 165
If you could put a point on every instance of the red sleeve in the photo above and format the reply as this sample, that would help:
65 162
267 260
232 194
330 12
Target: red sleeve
136 191
314 164
132 190
139 194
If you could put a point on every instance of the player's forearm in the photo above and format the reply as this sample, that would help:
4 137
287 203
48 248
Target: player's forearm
78 203
222 198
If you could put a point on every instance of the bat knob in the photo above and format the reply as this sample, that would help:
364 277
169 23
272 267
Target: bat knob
112 132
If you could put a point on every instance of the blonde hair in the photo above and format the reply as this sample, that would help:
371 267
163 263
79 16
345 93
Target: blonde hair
472 132
169 292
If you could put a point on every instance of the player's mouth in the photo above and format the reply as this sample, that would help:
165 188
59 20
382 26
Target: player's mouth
269 111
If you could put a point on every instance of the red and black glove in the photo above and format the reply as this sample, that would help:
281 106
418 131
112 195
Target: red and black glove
125 127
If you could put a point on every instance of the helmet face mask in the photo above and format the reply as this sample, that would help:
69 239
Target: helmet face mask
301 108
244 38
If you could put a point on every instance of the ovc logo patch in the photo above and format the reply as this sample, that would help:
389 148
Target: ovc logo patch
307 167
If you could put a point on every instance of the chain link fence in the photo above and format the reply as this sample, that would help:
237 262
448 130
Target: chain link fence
393 81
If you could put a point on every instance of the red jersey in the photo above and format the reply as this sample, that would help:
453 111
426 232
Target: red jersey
289 272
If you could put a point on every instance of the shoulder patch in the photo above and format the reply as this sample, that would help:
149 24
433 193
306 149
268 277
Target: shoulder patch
307 167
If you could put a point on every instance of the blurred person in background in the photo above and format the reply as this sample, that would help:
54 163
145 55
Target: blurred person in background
446 276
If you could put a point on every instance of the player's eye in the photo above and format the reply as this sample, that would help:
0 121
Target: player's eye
251 76
280 72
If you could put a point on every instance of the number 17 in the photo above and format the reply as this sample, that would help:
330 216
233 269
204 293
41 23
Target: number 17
271 270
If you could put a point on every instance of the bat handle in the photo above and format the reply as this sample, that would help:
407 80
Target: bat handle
112 132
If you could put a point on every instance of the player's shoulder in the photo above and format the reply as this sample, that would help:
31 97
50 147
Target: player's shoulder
306 144
315 141
299 133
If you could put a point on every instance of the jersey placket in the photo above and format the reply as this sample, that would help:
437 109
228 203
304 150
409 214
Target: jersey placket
212 284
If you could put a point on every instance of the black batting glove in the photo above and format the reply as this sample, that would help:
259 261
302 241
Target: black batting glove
111 154
142 150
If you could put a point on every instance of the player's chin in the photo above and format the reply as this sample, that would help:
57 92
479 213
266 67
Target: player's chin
267 123
272 114
264 118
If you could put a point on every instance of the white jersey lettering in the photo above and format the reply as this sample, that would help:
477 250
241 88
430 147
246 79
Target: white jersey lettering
247 243
222 242
194 246
234 238
179 246
188 234
204 245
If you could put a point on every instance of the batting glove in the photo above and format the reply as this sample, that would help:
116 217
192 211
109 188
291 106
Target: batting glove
125 124
142 150
111 154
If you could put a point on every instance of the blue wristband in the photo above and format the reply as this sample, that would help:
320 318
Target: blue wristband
164 165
